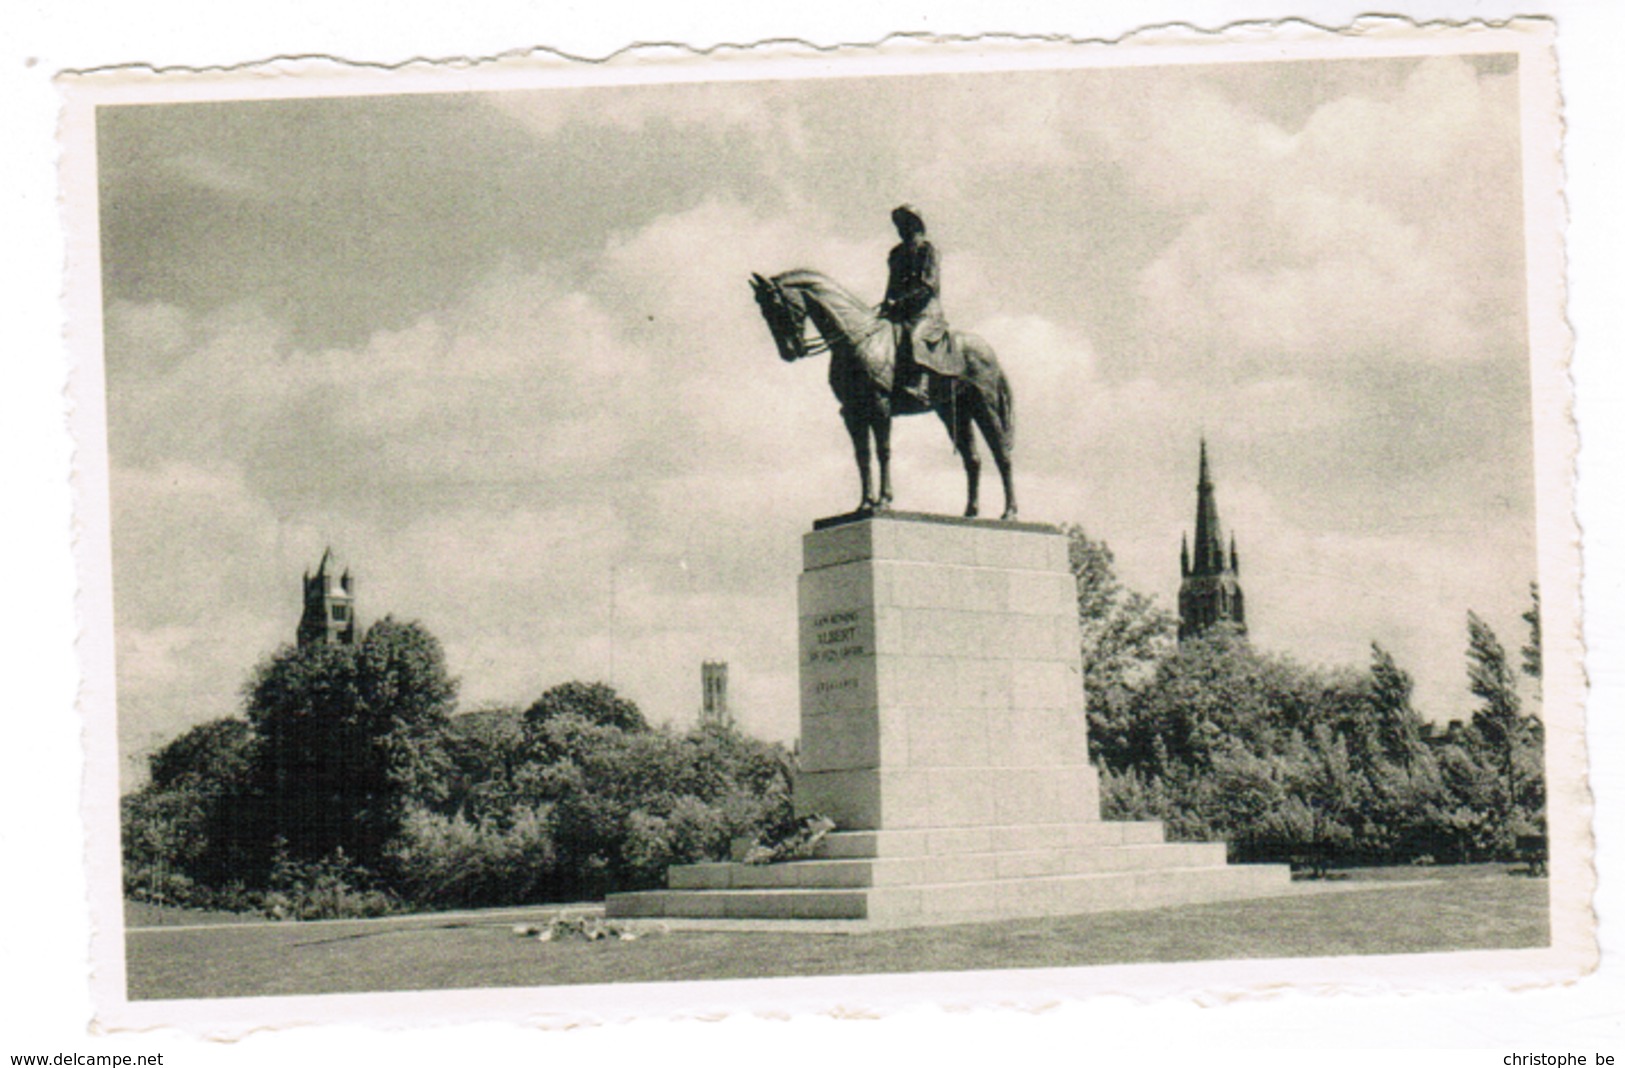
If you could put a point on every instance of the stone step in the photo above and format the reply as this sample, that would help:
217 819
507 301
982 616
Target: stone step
938 841
1075 894
956 868
1061 895
825 904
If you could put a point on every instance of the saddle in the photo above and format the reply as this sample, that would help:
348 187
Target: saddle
942 354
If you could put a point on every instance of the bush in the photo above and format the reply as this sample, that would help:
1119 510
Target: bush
347 791
626 804
451 862
1300 834
330 888
1133 795
691 830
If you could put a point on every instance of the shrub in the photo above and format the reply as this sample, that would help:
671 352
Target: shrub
451 862
1133 795
690 830
348 792
1297 832
332 887
624 805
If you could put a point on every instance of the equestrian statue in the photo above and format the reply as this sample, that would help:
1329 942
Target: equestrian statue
899 359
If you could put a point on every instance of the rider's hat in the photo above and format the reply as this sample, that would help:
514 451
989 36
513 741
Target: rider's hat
904 216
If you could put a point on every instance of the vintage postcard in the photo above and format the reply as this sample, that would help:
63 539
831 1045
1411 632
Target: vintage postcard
515 586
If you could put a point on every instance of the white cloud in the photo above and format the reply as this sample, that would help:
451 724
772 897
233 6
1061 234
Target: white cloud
610 434
1386 229
154 658
218 177
203 588
153 332
488 470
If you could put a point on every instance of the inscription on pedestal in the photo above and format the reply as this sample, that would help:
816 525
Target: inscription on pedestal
837 661
838 636
939 678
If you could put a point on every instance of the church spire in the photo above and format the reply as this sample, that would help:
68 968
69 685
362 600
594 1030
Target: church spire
1209 593
1209 539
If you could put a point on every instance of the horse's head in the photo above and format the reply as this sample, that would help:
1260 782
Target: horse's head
786 316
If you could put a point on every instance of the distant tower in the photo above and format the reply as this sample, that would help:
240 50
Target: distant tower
329 605
714 686
1209 593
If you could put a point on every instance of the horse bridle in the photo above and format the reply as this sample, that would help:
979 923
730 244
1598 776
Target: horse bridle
786 321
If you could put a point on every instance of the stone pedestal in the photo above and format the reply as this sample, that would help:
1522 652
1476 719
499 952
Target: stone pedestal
940 681
943 730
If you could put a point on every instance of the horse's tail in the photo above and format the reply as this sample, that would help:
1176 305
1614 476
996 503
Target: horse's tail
986 377
1005 404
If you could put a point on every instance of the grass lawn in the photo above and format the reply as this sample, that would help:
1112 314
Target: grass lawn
1383 911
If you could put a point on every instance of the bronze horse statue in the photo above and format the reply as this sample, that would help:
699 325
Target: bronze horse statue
862 348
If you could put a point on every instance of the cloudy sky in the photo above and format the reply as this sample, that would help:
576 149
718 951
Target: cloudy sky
499 352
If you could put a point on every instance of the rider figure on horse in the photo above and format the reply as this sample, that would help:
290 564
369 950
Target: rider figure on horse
912 289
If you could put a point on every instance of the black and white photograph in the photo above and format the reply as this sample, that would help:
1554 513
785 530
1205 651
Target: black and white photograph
1078 517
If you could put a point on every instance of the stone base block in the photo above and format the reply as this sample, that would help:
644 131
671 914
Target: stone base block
963 874
947 841
904 798
943 730
924 870
1149 883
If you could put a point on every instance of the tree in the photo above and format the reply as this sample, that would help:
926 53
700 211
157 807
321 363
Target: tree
407 692
594 702
1124 632
1216 691
198 801
486 747
1498 721
349 735
1397 726
1472 822
166 838
1531 650
1124 635
214 755
1488 676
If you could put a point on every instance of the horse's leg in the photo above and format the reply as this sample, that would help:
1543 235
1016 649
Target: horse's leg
858 428
993 432
882 431
959 418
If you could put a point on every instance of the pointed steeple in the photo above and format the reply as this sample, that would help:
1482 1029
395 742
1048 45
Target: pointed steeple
1208 593
1209 539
